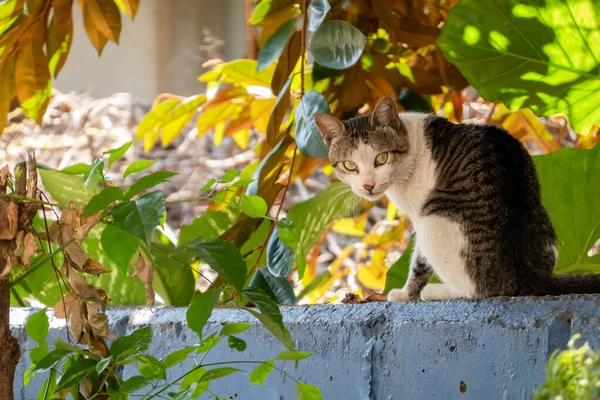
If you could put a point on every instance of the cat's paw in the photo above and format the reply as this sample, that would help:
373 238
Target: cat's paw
398 295
437 292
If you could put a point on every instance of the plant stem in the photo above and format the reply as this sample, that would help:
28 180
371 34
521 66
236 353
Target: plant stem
41 262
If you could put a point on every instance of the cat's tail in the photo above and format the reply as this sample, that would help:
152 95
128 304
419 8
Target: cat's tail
555 285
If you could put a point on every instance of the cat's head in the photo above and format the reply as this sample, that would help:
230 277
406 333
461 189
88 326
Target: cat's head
367 152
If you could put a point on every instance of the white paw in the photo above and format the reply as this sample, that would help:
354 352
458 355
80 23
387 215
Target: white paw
398 295
437 292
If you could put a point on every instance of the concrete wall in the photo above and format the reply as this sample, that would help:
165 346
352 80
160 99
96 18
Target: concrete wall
158 52
494 349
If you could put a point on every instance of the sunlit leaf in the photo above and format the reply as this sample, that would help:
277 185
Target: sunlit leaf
65 188
93 175
337 44
60 35
151 120
142 216
317 11
37 326
398 272
308 392
287 62
293 355
261 373
106 17
102 200
217 373
147 182
524 55
234 328
241 72
119 246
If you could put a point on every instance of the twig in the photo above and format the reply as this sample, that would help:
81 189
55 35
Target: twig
303 45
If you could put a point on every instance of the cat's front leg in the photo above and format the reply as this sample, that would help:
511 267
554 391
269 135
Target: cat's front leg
419 274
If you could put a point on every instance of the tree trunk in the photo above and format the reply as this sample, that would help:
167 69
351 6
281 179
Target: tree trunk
9 346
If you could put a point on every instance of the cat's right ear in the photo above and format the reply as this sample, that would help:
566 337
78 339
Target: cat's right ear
330 127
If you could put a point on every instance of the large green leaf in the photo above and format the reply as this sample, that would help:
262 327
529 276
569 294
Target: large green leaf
570 182
269 315
37 326
337 44
176 289
142 216
279 289
65 188
147 182
280 258
223 257
273 47
200 310
314 216
209 226
102 200
136 342
119 246
308 139
398 273
530 53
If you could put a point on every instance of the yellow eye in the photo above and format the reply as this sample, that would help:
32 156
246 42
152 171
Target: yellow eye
381 159
350 166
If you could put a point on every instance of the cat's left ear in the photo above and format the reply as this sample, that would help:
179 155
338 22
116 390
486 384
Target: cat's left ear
330 127
386 114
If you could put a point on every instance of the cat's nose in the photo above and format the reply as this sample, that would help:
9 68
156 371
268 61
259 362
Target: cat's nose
369 186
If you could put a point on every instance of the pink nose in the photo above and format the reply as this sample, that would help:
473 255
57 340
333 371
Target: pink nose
369 186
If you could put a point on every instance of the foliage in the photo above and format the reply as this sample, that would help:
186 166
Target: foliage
572 374
525 56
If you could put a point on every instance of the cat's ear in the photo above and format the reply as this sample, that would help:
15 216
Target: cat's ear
386 114
330 127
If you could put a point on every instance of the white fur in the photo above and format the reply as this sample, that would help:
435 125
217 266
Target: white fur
438 239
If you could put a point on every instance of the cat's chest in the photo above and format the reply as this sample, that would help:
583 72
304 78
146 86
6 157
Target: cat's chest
410 196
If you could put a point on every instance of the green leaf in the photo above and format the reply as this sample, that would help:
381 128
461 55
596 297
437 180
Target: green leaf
176 290
76 372
217 373
208 344
209 226
52 359
280 258
147 182
314 216
260 373
253 206
142 216
271 50
308 392
337 44
236 343
293 355
119 246
115 154
225 258
94 174
102 200
288 233
177 356
77 169
309 140
570 186
150 367
230 175
38 353
269 315
234 328
102 364
279 289
136 342
134 384
192 377
138 166
524 55
65 188
397 274
208 185
37 326
151 119
200 310
317 11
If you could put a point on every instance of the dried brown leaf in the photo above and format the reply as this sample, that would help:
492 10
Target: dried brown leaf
96 345
98 322
93 267
144 270
9 218
84 290
29 248
71 308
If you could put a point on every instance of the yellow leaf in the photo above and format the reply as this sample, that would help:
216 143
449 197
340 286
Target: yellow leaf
350 226
150 139
106 17
33 6
392 211
219 133
96 37
373 275
128 7
240 72
32 76
60 35
151 120
170 131
241 138
209 118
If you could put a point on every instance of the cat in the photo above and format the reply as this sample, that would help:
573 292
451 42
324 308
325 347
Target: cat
472 194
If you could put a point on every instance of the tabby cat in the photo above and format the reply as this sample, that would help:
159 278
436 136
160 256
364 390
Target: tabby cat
472 194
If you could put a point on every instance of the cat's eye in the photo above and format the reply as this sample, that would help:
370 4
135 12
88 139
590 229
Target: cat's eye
381 159
350 166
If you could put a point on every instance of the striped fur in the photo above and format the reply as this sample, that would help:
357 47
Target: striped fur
472 194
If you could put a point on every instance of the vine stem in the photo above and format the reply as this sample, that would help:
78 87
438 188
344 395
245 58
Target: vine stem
303 44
